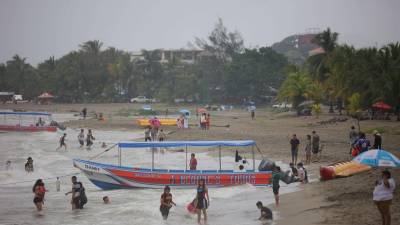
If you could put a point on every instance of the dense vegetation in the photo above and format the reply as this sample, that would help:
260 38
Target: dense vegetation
345 76
226 71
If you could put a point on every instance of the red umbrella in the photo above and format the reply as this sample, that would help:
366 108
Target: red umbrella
201 110
381 105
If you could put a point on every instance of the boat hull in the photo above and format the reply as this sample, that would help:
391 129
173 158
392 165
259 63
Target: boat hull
28 128
114 177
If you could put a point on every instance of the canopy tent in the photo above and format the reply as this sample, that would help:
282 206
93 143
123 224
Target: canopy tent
186 144
236 143
381 105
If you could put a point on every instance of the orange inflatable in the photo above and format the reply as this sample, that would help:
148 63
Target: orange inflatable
164 122
342 169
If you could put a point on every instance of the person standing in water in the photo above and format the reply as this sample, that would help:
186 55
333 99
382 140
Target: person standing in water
62 142
193 162
203 200
166 202
58 184
89 139
276 177
81 138
39 190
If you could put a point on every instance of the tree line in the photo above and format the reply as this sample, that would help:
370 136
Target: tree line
345 77
226 71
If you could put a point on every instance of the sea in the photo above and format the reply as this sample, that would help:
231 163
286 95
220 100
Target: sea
228 206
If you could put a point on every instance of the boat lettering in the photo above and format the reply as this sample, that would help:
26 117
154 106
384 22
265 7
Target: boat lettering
90 167
194 179
146 175
242 178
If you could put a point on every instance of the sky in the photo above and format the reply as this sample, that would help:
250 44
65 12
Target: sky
38 29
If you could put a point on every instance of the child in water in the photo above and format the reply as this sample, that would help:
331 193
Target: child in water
266 213
166 202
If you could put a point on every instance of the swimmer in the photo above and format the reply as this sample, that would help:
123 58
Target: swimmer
29 165
166 202
106 200
266 213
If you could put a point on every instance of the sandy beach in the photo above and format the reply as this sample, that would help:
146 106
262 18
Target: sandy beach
339 201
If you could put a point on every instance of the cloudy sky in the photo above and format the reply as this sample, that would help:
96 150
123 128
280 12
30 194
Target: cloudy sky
37 29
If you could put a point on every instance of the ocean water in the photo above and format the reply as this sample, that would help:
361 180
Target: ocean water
229 205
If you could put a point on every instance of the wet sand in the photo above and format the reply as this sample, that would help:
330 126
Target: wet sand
340 201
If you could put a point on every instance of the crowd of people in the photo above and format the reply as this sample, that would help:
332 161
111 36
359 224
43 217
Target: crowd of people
359 142
312 148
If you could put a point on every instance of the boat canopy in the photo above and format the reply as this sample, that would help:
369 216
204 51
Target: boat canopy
236 143
26 113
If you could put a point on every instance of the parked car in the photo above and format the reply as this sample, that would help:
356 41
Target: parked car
141 99
282 105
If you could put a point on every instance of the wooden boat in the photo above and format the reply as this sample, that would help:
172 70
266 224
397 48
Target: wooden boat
26 121
107 176
163 121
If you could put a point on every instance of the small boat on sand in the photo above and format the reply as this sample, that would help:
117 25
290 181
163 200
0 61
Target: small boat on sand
27 121
107 176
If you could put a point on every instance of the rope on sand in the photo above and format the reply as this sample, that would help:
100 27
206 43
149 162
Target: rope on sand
108 149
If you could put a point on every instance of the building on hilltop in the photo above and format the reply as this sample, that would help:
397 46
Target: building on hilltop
164 56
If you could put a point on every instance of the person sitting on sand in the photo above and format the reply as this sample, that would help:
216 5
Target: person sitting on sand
266 213
302 172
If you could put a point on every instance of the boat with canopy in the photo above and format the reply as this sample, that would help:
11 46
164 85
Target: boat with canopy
107 176
26 121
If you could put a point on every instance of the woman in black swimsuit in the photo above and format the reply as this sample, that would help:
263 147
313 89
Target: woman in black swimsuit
202 199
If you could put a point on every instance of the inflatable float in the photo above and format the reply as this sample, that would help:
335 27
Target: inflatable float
191 208
163 121
342 169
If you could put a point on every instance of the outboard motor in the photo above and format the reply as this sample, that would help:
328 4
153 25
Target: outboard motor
266 165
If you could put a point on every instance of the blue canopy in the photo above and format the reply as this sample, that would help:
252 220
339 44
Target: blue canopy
26 113
238 143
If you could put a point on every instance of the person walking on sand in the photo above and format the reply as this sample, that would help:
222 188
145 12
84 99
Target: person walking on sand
266 213
315 145
81 138
193 162
377 140
383 195
62 142
39 191
294 147
161 135
307 149
166 202
89 139
252 112
147 134
276 177
202 200
353 137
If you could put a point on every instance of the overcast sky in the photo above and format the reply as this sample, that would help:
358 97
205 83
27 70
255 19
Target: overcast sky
37 29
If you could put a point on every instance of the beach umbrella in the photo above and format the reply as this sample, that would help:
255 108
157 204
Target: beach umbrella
184 111
378 158
381 105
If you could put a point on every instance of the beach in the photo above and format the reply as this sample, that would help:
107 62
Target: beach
339 201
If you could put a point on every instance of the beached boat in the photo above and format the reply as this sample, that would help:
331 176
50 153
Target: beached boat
107 176
26 121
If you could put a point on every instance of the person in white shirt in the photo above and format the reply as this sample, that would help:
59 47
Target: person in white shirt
383 195
302 173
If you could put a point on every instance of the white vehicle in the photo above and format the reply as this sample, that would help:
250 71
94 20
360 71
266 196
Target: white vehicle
140 99
282 105
17 98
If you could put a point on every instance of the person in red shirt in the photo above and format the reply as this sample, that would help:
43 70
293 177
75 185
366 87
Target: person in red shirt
39 190
193 162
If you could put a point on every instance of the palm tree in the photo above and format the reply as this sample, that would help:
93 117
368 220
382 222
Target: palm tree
92 47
